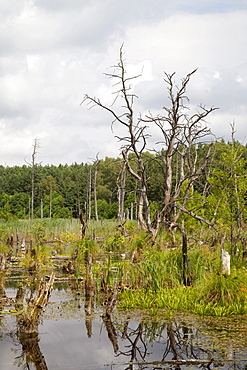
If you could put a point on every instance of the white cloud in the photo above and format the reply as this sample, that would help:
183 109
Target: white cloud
54 52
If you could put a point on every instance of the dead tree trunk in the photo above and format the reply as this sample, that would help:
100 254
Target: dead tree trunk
179 130
121 181
36 146
28 321
96 163
88 201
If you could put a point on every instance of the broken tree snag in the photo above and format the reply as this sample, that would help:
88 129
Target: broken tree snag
29 319
83 226
121 228
226 262
70 268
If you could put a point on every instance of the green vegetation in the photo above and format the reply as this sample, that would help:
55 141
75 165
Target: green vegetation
60 192
152 224
148 275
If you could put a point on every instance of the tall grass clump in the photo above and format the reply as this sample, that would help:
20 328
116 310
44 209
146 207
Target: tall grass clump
160 269
203 260
224 290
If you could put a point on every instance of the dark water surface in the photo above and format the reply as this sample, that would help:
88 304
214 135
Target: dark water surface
71 338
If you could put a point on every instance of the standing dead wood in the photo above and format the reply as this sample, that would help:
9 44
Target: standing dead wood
89 190
95 165
31 310
134 142
187 278
33 164
121 183
112 300
70 267
180 135
83 226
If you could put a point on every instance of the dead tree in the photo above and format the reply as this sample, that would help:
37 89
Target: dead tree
31 309
180 135
121 182
89 190
134 142
95 165
33 164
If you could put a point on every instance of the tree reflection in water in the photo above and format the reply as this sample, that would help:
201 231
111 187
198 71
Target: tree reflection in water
182 346
31 353
136 342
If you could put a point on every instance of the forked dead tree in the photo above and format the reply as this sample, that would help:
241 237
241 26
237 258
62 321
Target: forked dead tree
181 133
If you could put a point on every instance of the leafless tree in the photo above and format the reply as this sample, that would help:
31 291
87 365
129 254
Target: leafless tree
36 146
88 201
135 139
181 133
95 166
121 183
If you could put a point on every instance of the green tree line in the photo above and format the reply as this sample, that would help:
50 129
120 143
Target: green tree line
63 191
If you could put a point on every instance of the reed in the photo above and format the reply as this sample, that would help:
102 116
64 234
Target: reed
148 275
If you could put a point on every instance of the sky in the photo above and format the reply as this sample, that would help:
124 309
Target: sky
53 52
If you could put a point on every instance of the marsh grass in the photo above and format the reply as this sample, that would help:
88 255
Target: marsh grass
52 228
181 299
151 280
213 293
224 290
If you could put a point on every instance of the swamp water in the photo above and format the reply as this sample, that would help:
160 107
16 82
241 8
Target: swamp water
73 335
